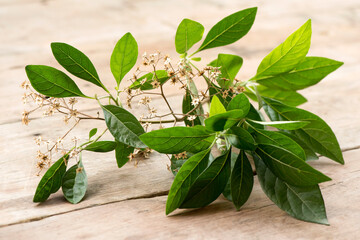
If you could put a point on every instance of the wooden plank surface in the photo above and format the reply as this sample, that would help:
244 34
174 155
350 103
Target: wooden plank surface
28 27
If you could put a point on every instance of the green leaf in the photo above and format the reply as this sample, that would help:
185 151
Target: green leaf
240 101
229 66
317 134
179 139
240 138
75 62
52 82
144 82
185 178
286 125
51 181
123 57
304 203
310 154
123 126
241 180
92 132
254 114
176 163
101 146
223 121
196 59
289 167
122 152
217 91
216 106
227 190
210 183
188 33
307 73
288 54
187 107
279 140
230 29
74 183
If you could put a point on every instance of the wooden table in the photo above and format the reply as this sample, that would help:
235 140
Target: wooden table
129 203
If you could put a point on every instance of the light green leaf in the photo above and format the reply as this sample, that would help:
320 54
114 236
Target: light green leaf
288 54
101 146
230 29
286 125
317 134
123 126
74 183
240 101
223 121
52 82
179 139
229 66
75 62
216 106
185 178
51 181
210 183
144 82
188 33
307 73
92 132
122 152
123 57
304 203
240 138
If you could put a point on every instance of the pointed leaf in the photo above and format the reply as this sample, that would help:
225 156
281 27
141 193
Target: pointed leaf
92 132
122 152
188 33
222 121
229 66
216 106
240 101
144 82
101 146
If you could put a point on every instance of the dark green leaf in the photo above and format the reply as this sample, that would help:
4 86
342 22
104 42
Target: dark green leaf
254 114
229 66
122 152
92 132
304 203
288 54
240 101
179 139
230 29
52 82
144 82
177 162
74 183
51 181
75 62
188 33
227 190
222 121
185 178
240 138
310 154
123 126
241 180
101 146
307 73
210 183
216 106
123 57
317 134
187 107
286 125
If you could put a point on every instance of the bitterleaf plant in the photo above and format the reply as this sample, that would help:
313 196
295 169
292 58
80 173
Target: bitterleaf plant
219 116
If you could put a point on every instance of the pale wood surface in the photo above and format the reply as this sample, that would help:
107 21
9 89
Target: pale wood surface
28 27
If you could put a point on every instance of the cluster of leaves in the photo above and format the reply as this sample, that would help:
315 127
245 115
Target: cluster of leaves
234 125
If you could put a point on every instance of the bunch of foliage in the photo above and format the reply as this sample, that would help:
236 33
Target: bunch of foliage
217 117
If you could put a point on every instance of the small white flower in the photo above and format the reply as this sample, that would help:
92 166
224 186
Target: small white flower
191 117
195 101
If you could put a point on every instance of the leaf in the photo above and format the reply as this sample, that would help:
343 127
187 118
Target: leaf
144 82
216 106
187 107
74 183
241 180
240 138
310 154
290 98
279 140
216 91
240 101
188 33
75 62
123 126
254 114
92 132
210 183
51 181
223 121
229 66
52 82
227 190
101 146
176 163
122 152
317 134
179 139
288 54
304 203
123 57
185 178
286 125
289 167
230 29
307 73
